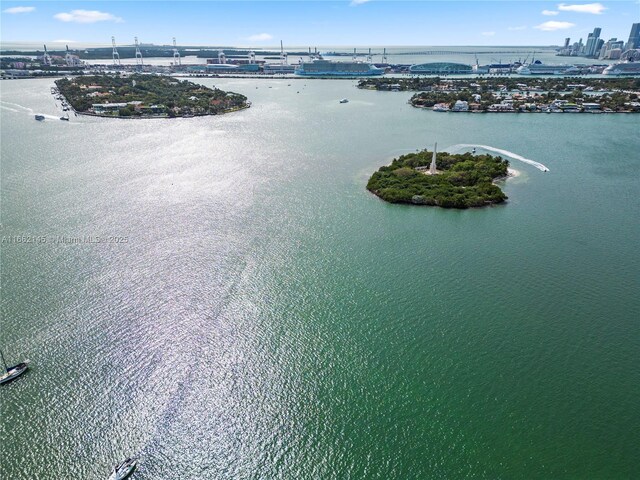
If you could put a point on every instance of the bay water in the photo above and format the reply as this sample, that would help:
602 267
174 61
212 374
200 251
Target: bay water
223 298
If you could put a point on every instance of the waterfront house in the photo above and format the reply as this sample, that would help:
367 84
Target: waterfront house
460 106
107 107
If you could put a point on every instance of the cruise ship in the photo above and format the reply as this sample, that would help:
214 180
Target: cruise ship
624 68
493 68
328 68
539 68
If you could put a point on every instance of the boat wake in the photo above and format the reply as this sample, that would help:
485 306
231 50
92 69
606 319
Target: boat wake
506 153
14 107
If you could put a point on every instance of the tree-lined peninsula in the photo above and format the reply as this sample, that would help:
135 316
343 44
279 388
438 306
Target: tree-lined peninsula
462 180
145 96
516 94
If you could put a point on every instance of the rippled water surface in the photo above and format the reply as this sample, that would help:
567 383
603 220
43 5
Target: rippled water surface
258 314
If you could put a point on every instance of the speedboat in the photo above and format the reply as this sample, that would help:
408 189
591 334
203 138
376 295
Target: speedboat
40 117
344 100
123 470
66 119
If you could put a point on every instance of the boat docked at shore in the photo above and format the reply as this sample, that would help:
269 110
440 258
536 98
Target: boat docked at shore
539 68
623 68
327 68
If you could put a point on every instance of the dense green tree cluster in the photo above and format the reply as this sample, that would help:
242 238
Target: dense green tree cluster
171 96
464 180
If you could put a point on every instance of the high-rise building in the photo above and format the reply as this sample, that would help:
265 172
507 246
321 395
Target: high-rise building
634 37
566 42
612 49
592 42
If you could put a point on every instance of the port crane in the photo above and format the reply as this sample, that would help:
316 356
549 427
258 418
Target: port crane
46 58
71 60
283 55
138 53
176 54
115 55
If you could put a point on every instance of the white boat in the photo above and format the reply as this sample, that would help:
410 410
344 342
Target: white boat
623 68
539 68
124 469
327 68
344 100
14 372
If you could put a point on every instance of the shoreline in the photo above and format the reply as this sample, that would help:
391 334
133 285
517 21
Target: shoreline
58 95
158 117
511 173
526 111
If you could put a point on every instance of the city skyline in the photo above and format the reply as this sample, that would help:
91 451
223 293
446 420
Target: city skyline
348 22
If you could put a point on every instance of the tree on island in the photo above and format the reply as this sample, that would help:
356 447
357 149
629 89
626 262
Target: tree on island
463 180
148 95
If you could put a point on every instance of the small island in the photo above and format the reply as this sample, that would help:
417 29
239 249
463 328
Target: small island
442 180
144 96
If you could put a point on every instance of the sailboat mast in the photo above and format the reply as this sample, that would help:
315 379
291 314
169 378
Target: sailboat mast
4 362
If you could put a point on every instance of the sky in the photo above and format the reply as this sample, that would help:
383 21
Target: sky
314 23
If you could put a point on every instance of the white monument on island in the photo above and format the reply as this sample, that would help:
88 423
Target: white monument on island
432 167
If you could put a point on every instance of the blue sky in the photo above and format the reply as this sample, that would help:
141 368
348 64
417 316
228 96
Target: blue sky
321 23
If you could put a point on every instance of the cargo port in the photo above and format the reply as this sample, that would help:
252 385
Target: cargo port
206 61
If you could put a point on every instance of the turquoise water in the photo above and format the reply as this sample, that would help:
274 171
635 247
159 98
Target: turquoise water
263 316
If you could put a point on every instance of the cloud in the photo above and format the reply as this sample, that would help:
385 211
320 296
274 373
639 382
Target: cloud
355 3
550 13
552 26
86 16
260 37
594 8
521 27
19 10
488 34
